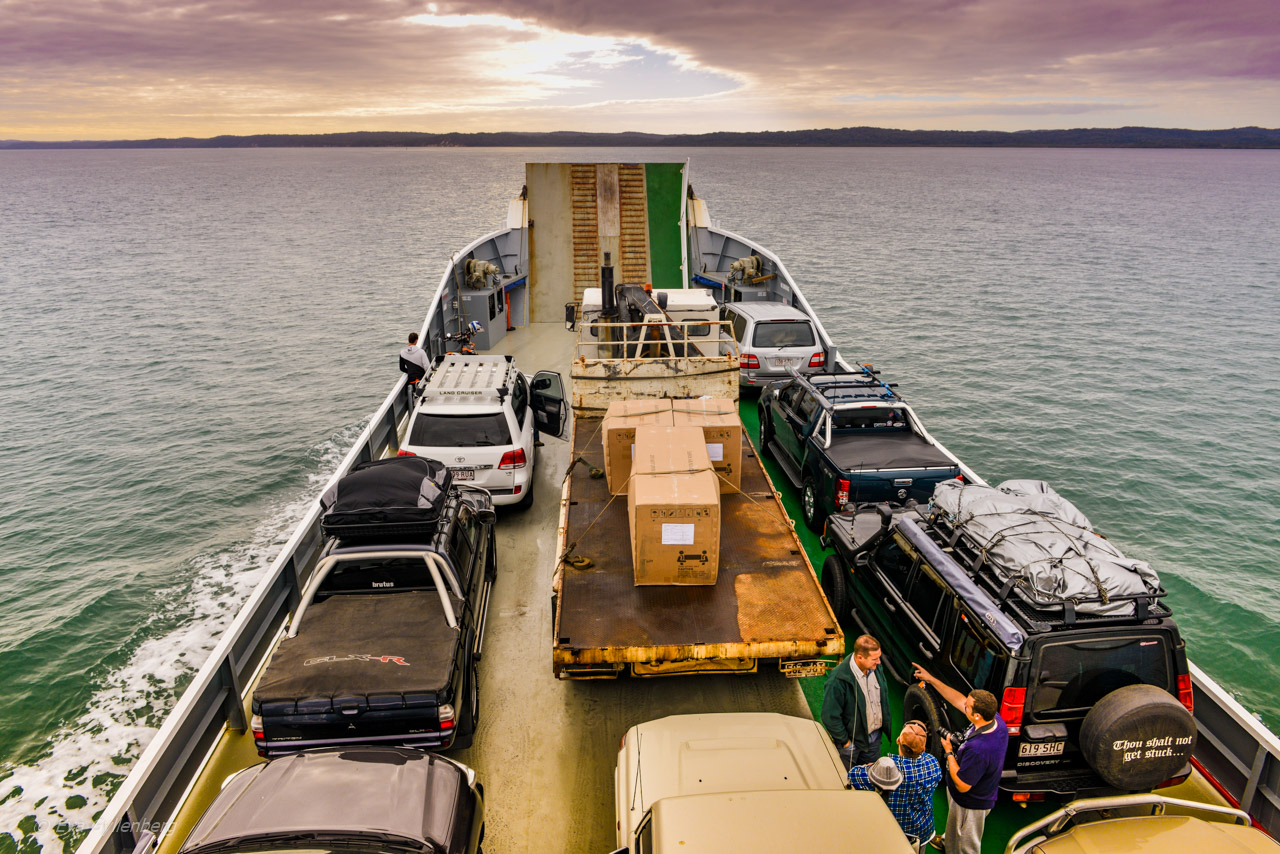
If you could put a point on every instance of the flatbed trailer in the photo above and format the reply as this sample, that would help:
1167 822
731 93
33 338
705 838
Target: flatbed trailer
766 603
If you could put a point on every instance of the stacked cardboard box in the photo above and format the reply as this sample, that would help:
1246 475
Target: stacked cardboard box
673 506
722 432
619 435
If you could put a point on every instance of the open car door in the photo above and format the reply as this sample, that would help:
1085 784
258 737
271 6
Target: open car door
550 411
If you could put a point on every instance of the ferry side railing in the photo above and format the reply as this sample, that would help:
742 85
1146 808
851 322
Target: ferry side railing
1237 751
214 701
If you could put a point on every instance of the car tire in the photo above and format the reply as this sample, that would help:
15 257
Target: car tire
766 434
811 506
1143 720
919 704
527 501
466 734
835 586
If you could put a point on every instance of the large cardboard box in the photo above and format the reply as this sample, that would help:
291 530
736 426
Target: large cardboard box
618 433
722 431
673 506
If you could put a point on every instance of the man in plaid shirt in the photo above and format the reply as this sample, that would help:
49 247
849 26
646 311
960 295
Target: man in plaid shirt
911 802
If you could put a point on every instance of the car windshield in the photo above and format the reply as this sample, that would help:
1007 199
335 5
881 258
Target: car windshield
1073 675
783 333
306 845
433 430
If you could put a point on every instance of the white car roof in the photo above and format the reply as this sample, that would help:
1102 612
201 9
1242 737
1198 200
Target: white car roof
734 752
768 311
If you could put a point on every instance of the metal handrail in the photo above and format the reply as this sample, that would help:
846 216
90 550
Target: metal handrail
582 346
1058 821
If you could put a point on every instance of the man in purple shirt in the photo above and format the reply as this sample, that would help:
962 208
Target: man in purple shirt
972 769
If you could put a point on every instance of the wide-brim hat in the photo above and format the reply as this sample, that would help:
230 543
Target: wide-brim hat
884 774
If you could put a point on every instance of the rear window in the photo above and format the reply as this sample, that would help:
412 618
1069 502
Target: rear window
1073 675
460 431
867 419
783 333
372 576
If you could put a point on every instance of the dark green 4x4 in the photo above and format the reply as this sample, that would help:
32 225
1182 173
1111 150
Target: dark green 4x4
1092 677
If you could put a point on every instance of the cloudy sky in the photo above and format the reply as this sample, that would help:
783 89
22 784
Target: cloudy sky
112 69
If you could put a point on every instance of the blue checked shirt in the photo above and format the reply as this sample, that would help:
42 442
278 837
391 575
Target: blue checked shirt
912 802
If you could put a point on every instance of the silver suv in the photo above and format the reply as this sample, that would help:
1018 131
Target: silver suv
481 417
773 339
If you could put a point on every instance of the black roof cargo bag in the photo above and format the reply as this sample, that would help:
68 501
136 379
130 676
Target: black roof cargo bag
386 499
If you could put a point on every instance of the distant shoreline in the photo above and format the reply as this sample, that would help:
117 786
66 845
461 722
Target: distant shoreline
1126 137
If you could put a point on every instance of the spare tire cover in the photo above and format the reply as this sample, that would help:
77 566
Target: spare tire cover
1137 737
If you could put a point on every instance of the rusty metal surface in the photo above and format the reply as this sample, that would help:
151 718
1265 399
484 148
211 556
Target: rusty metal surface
766 602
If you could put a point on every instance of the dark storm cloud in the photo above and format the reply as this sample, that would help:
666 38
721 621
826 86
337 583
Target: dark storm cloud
941 43
238 66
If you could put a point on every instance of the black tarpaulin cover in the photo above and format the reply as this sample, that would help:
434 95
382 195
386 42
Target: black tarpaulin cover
393 650
871 451
401 492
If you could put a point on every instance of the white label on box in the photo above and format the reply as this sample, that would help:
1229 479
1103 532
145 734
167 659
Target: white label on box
674 534
716 451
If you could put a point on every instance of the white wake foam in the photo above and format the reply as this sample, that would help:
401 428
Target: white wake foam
53 802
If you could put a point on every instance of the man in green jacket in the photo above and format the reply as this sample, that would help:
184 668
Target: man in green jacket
855 704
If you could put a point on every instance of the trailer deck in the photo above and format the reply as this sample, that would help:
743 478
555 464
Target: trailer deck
766 602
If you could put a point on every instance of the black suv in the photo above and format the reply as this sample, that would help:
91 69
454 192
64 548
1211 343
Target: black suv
384 646
1095 702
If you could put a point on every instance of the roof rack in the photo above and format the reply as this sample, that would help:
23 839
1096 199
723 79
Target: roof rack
458 378
838 389
1012 593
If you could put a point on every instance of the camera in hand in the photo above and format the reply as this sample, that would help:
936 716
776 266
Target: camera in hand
957 738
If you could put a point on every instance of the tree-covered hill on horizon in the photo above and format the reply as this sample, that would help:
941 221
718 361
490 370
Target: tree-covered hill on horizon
1125 137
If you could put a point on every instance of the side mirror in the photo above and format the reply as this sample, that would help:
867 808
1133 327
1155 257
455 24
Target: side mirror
570 315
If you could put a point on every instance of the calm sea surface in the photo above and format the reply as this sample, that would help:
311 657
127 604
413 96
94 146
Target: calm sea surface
192 339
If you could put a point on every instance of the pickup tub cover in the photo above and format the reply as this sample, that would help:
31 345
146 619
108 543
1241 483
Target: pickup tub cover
387 648
1033 535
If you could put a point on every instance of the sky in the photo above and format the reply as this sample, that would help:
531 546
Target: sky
135 69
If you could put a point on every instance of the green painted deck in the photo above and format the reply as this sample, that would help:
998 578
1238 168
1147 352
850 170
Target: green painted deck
663 183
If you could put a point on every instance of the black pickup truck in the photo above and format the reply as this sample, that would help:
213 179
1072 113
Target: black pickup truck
384 646
849 439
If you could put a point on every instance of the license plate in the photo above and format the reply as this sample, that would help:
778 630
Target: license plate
463 474
785 363
1041 748
796 669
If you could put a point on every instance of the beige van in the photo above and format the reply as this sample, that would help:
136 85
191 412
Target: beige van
744 782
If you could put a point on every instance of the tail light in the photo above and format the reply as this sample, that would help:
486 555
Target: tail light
748 360
1011 708
513 459
817 360
1024 797
1184 692
255 727
404 453
842 493
446 716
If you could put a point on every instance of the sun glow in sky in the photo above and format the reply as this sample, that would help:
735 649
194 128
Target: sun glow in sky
128 69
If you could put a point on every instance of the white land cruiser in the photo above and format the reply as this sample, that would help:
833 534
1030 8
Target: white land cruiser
481 417
746 782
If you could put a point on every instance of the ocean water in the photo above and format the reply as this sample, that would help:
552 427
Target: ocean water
192 339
